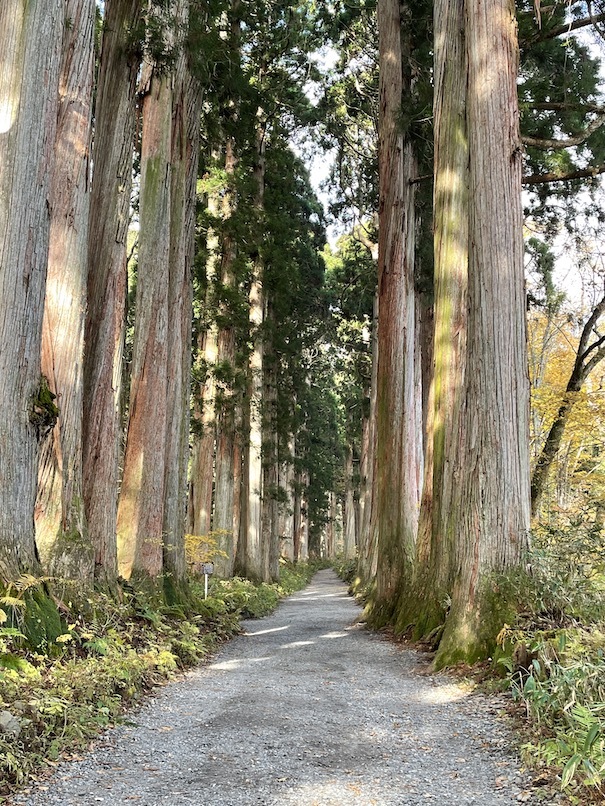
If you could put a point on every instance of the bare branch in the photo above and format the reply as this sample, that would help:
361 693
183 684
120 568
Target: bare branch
581 173
418 179
562 107
580 370
596 359
547 145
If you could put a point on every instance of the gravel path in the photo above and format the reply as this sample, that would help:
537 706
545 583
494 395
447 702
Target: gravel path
305 708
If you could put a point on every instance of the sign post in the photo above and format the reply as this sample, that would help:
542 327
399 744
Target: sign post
208 569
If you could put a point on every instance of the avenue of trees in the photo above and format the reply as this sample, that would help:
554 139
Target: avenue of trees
184 358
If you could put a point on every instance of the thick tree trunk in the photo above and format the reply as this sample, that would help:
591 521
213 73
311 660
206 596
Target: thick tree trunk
30 57
304 518
202 460
186 110
396 481
488 515
436 538
331 547
107 280
61 531
253 478
141 503
426 338
239 564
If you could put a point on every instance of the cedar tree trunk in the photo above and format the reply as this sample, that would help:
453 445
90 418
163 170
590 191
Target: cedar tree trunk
61 531
141 504
107 279
30 56
488 514
396 482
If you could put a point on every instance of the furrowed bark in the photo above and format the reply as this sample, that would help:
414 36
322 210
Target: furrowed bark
489 510
202 463
270 463
30 58
367 544
107 278
395 467
61 530
228 455
141 502
186 111
436 539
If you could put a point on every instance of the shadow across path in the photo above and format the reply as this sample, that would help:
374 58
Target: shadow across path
306 708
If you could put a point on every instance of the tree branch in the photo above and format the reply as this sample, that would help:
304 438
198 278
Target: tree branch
596 359
567 28
581 173
546 145
580 370
561 107
417 179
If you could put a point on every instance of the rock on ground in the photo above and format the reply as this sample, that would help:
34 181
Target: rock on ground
305 708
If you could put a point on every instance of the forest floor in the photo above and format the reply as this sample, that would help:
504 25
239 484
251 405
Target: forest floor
306 707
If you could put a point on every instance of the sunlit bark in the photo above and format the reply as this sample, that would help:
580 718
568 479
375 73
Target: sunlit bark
488 513
61 531
270 460
436 541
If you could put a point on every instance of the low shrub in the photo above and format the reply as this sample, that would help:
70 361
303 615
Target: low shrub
554 655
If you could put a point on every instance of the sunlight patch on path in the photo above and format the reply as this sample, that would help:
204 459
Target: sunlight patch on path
266 632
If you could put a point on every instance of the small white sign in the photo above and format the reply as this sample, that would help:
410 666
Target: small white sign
208 569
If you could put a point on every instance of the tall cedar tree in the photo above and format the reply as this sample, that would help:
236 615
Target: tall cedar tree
396 468
61 529
107 279
30 57
485 481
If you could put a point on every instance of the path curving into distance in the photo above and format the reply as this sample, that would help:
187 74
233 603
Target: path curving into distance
305 708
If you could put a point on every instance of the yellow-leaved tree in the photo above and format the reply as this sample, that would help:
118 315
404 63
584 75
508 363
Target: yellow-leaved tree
568 409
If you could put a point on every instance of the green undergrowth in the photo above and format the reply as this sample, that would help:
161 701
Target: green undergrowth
56 697
553 656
